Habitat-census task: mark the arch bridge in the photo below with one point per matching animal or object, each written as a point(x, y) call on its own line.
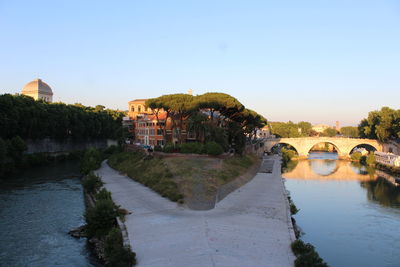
point(304, 144)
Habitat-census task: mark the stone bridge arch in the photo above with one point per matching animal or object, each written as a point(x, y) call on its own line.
point(303, 145)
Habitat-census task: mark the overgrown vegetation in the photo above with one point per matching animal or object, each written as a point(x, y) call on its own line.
point(368, 160)
point(101, 218)
point(91, 160)
point(381, 124)
point(293, 208)
point(356, 156)
point(101, 226)
point(149, 171)
point(91, 183)
point(22, 116)
point(116, 254)
point(306, 255)
point(287, 162)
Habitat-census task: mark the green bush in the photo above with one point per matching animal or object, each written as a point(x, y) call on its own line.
point(92, 182)
point(111, 150)
point(103, 195)
point(169, 148)
point(293, 208)
point(356, 156)
point(306, 255)
point(91, 160)
point(158, 148)
point(115, 253)
point(100, 218)
point(195, 148)
point(16, 146)
point(370, 160)
point(213, 148)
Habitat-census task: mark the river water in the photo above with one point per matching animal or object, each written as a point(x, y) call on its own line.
point(37, 209)
point(349, 213)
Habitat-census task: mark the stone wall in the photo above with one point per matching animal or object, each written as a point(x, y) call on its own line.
point(50, 145)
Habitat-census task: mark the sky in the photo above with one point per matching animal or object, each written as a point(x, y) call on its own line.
point(317, 61)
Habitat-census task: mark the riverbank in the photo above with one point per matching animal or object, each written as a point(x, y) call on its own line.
point(37, 209)
point(249, 227)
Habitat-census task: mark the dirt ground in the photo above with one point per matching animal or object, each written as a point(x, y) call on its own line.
point(198, 181)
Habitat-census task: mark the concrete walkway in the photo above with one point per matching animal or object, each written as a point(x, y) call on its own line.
point(250, 227)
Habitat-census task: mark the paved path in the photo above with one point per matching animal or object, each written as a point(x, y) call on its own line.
point(250, 227)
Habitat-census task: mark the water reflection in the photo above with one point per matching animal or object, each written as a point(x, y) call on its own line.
point(383, 192)
point(328, 169)
point(350, 212)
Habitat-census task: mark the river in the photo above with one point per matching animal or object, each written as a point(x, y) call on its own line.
point(350, 214)
point(37, 209)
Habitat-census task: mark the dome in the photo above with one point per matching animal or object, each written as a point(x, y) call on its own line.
point(37, 86)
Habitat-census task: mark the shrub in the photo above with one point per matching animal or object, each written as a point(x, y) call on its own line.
point(111, 150)
point(100, 218)
point(91, 160)
point(103, 195)
point(91, 183)
point(356, 156)
point(293, 208)
point(16, 146)
point(196, 148)
point(116, 254)
point(306, 255)
point(169, 148)
point(213, 148)
point(370, 160)
point(158, 148)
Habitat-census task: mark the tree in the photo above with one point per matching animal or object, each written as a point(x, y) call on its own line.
point(350, 131)
point(329, 132)
point(381, 124)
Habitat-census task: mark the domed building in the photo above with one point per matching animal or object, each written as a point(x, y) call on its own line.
point(38, 90)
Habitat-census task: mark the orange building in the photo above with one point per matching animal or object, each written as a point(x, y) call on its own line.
point(137, 107)
point(148, 131)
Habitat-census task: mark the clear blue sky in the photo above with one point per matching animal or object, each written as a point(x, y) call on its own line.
point(318, 61)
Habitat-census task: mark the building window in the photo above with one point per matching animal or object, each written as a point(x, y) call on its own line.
point(145, 109)
point(139, 108)
point(133, 109)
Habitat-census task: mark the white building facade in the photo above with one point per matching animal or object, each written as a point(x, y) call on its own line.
point(387, 159)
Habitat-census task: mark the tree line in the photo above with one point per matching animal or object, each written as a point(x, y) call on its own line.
point(382, 125)
point(216, 117)
point(23, 118)
point(304, 129)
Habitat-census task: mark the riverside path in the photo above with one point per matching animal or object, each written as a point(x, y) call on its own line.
point(249, 227)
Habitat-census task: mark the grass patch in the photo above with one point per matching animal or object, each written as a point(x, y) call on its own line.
point(149, 171)
point(234, 167)
point(176, 178)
